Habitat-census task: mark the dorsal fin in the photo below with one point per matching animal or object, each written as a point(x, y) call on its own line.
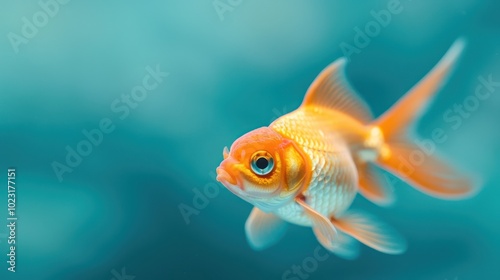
point(331, 90)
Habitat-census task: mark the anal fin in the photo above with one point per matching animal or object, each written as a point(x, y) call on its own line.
point(346, 247)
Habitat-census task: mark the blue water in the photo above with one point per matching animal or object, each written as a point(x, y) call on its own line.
point(114, 213)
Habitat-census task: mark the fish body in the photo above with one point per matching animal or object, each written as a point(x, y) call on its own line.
point(307, 166)
point(328, 138)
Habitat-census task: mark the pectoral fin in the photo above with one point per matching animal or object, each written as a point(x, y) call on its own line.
point(263, 229)
point(373, 233)
point(322, 227)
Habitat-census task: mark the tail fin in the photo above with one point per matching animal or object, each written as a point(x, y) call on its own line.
point(412, 160)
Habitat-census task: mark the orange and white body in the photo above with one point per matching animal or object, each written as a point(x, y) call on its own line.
point(307, 166)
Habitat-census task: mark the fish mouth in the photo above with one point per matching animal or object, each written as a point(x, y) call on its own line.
point(237, 188)
point(225, 177)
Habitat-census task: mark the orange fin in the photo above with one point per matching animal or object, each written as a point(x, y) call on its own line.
point(373, 186)
point(263, 229)
point(402, 116)
point(323, 228)
point(400, 153)
point(345, 247)
point(431, 175)
point(331, 90)
point(336, 242)
point(371, 232)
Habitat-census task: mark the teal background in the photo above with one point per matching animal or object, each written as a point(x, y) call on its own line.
point(120, 207)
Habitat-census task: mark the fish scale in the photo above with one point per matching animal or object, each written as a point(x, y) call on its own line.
point(333, 184)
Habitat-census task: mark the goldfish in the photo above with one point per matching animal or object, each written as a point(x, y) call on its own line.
point(307, 166)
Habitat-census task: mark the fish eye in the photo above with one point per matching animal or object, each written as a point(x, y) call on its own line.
point(262, 163)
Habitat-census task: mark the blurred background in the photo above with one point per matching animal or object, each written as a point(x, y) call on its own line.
point(141, 202)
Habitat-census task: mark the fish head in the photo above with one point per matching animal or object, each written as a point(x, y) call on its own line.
point(264, 168)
